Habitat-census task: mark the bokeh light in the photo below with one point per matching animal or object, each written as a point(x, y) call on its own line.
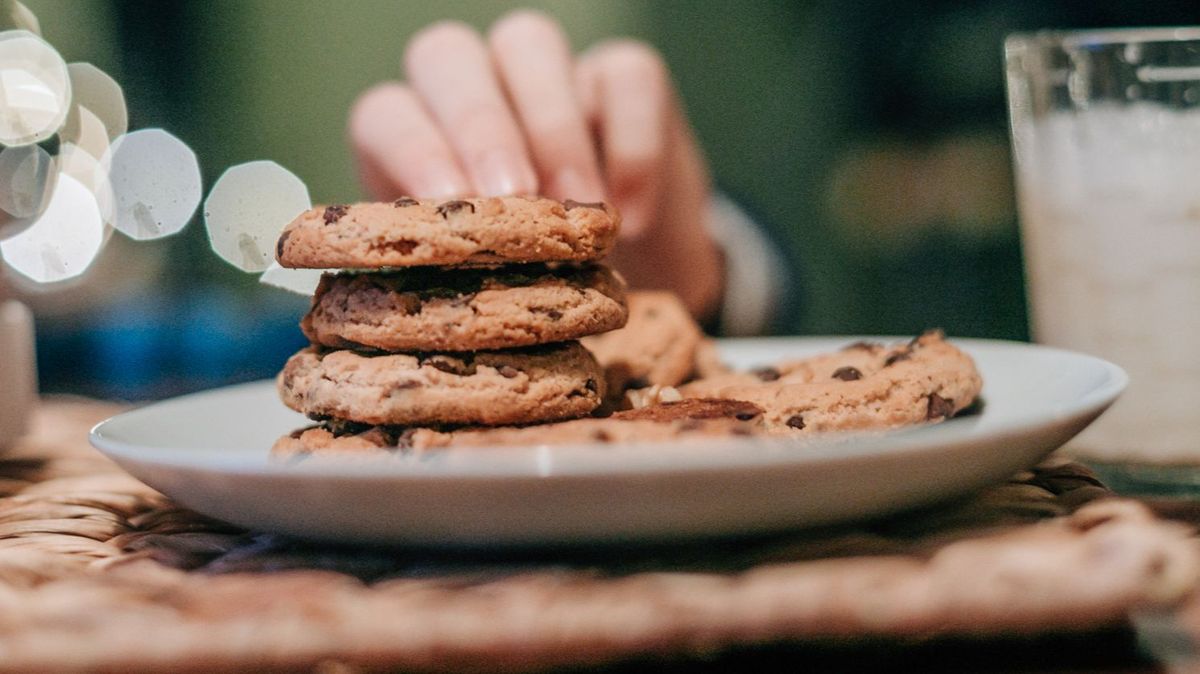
point(63, 241)
point(84, 128)
point(85, 168)
point(300, 281)
point(18, 15)
point(94, 90)
point(155, 180)
point(35, 89)
point(70, 173)
point(247, 209)
point(27, 177)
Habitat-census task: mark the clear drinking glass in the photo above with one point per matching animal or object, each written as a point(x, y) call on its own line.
point(1106, 144)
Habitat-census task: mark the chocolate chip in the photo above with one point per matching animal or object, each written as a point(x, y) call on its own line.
point(406, 384)
point(744, 416)
point(410, 303)
point(401, 246)
point(405, 201)
point(847, 374)
point(571, 203)
point(334, 213)
point(601, 435)
point(554, 314)
point(861, 346)
point(450, 365)
point(404, 440)
point(766, 373)
point(279, 244)
point(795, 421)
point(590, 385)
point(939, 407)
point(341, 427)
point(896, 357)
point(508, 371)
point(449, 207)
point(380, 437)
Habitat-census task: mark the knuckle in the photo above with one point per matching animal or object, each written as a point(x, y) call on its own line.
point(559, 127)
point(480, 124)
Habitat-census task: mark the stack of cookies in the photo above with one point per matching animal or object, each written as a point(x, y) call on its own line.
point(456, 313)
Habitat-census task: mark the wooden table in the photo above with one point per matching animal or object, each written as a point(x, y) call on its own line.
point(1039, 575)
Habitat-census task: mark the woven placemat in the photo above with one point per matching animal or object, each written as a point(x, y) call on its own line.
point(99, 572)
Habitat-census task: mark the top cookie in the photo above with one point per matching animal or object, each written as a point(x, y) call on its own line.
point(411, 233)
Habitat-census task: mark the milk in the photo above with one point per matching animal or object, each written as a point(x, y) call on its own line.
point(1110, 218)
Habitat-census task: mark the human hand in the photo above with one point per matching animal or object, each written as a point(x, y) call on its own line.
point(519, 114)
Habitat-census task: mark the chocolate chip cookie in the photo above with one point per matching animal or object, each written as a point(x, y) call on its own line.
point(518, 386)
point(865, 386)
point(657, 346)
point(431, 309)
point(669, 421)
point(409, 232)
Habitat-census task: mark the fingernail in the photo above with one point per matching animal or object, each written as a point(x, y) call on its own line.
point(499, 173)
point(635, 214)
point(443, 186)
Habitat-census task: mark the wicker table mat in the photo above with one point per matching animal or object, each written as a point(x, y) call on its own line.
point(97, 571)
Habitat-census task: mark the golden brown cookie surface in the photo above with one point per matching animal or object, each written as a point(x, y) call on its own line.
point(464, 309)
point(862, 387)
point(519, 386)
point(409, 233)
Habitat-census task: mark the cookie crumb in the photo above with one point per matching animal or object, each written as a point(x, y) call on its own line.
point(651, 395)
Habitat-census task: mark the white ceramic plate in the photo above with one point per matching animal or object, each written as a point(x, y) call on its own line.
point(209, 452)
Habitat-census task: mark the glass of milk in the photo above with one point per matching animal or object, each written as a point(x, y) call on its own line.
point(1106, 144)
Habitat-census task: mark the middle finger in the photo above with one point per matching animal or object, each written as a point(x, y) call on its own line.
point(449, 66)
point(534, 59)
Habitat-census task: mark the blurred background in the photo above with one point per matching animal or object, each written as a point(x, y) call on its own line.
point(868, 138)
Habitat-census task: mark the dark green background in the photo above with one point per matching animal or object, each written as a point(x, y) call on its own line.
point(869, 138)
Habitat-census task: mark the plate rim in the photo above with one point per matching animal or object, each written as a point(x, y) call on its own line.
point(767, 452)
